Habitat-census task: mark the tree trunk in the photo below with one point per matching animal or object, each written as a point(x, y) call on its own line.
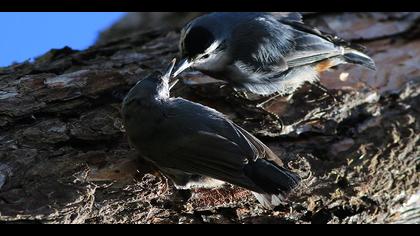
point(64, 156)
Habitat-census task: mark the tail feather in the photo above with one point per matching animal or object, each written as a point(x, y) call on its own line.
point(356, 57)
point(275, 182)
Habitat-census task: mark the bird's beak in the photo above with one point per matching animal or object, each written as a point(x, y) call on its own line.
point(183, 65)
point(168, 73)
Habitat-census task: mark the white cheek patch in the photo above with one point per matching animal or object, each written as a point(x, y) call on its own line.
point(215, 61)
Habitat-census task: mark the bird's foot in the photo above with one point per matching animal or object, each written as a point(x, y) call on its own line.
point(240, 94)
point(268, 100)
point(323, 89)
point(275, 118)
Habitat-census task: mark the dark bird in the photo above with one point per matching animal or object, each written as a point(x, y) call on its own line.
point(198, 147)
point(262, 53)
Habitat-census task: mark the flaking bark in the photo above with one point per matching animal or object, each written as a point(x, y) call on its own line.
point(64, 156)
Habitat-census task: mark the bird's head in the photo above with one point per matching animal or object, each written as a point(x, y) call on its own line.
point(155, 86)
point(203, 47)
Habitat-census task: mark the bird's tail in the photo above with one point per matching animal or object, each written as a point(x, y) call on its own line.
point(269, 201)
point(275, 181)
point(356, 57)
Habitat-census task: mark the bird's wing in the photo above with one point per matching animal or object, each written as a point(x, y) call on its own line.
point(210, 155)
point(213, 146)
point(268, 43)
point(260, 43)
point(301, 26)
point(310, 48)
point(312, 45)
point(264, 152)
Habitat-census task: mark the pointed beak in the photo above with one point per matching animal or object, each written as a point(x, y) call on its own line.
point(168, 73)
point(183, 65)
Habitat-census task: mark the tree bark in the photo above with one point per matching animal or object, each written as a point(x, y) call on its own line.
point(64, 156)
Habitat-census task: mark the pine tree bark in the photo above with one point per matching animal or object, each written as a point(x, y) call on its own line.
point(64, 156)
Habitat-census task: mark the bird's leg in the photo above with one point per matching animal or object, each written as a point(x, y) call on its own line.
point(236, 93)
point(325, 90)
point(273, 115)
point(261, 105)
point(240, 94)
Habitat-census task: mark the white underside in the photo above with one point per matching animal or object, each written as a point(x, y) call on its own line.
point(286, 83)
point(206, 183)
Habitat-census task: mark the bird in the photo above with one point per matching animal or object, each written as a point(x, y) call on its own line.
point(263, 53)
point(198, 147)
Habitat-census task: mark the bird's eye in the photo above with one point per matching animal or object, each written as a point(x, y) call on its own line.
point(205, 56)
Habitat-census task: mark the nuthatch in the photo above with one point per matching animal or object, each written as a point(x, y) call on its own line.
point(261, 53)
point(198, 147)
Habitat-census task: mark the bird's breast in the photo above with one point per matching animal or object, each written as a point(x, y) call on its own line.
point(231, 74)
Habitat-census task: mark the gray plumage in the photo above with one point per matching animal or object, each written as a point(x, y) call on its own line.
point(263, 53)
point(197, 146)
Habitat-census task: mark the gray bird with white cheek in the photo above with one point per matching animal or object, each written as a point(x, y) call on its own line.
point(198, 147)
point(263, 53)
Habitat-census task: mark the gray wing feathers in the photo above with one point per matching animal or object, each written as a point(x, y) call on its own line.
point(309, 48)
point(312, 45)
point(266, 52)
point(214, 146)
point(281, 45)
point(210, 155)
point(262, 150)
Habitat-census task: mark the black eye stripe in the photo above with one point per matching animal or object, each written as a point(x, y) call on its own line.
point(197, 41)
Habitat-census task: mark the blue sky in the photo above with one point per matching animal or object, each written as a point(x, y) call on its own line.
point(25, 35)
